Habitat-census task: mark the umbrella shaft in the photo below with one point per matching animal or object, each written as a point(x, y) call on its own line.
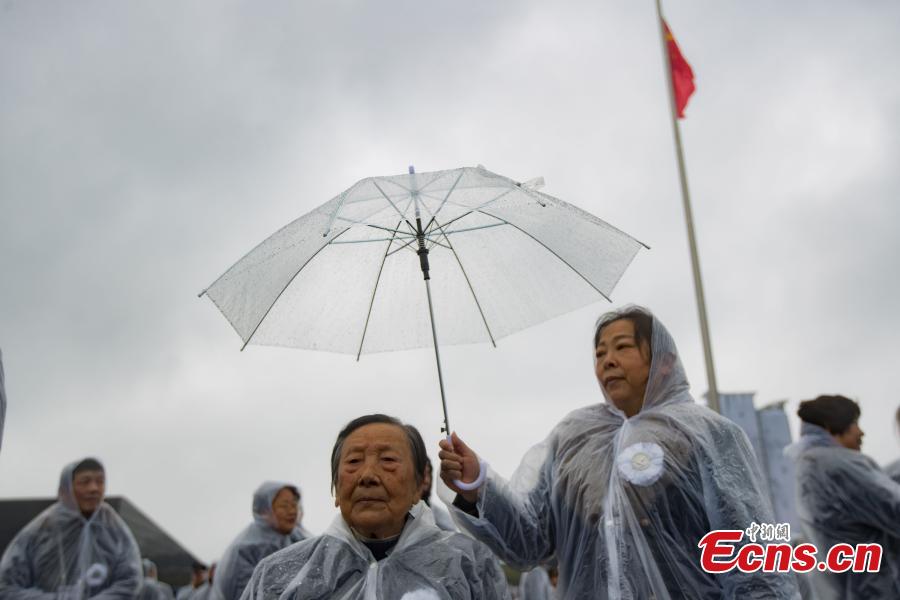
point(423, 263)
point(437, 356)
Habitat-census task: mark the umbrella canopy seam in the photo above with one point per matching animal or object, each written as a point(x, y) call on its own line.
point(551, 251)
point(287, 285)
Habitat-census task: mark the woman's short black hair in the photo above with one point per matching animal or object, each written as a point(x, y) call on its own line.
point(834, 413)
point(416, 445)
point(639, 317)
point(88, 464)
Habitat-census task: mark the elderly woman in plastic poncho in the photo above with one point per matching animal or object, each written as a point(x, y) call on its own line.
point(383, 544)
point(276, 516)
point(844, 497)
point(77, 548)
point(622, 492)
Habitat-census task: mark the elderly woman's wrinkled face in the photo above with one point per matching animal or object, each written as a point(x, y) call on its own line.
point(285, 510)
point(88, 488)
point(376, 483)
point(622, 367)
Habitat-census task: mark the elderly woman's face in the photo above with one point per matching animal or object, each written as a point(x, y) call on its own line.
point(285, 510)
point(376, 483)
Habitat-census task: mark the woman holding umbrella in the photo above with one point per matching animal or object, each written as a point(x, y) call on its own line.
point(621, 492)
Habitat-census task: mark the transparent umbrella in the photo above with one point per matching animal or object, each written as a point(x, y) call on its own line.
point(496, 256)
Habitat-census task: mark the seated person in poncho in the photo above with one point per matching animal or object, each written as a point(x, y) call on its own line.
point(384, 543)
point(152, 588)
point(276, 525)
point(199, 575)
point(844, 497)
point(77, 548)
point(621, 492)
point(207, 590)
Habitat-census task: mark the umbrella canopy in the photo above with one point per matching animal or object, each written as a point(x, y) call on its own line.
point(346, 277)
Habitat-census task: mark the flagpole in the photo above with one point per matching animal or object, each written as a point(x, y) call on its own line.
point(713, 393)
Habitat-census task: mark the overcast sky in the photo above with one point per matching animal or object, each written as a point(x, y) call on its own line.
point(146, 146)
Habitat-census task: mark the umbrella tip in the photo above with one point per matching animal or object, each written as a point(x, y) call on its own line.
point(412, 170)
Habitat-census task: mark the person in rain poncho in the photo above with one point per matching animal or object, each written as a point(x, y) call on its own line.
point(77, 548)
point(620, 493)
point(199, 574)
point(207, 589)
point(152, 588)
point(844, 497)
point(383, 544)
point(893, 469)
point(276, 525)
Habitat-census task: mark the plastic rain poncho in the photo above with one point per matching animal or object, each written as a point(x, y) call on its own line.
point(621, 503)
point(442, 518)
point(844, 497)
point(893, 470)
point(204, 592)
point(257, 541)
point(61, 554)
point(535, 585)
point(426, 564)
point(184, 592)
point(152, 589)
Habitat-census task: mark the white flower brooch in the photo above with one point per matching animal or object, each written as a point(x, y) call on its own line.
point(641, 463)
point(96, 574)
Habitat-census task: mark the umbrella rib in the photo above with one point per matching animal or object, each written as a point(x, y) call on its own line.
point(404, 236)
point(372, 300)
point(465, 229)
point(471, 212)
point(478, 210)
point(396, 250)
point(388, 229)
point(450, 191)
point(391, 202)
point(337, 209)
point(290, 281)
point(469, 283)
point(551, 251)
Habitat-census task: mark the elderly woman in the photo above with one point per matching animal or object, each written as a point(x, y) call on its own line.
point(384, 543)
point(276, 525)
point(622, 492)
point(844, 497)
point(77, 548)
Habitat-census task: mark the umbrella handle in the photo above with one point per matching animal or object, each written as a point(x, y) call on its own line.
point(472, 485)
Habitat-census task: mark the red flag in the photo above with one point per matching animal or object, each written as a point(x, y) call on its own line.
point(682, 74)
